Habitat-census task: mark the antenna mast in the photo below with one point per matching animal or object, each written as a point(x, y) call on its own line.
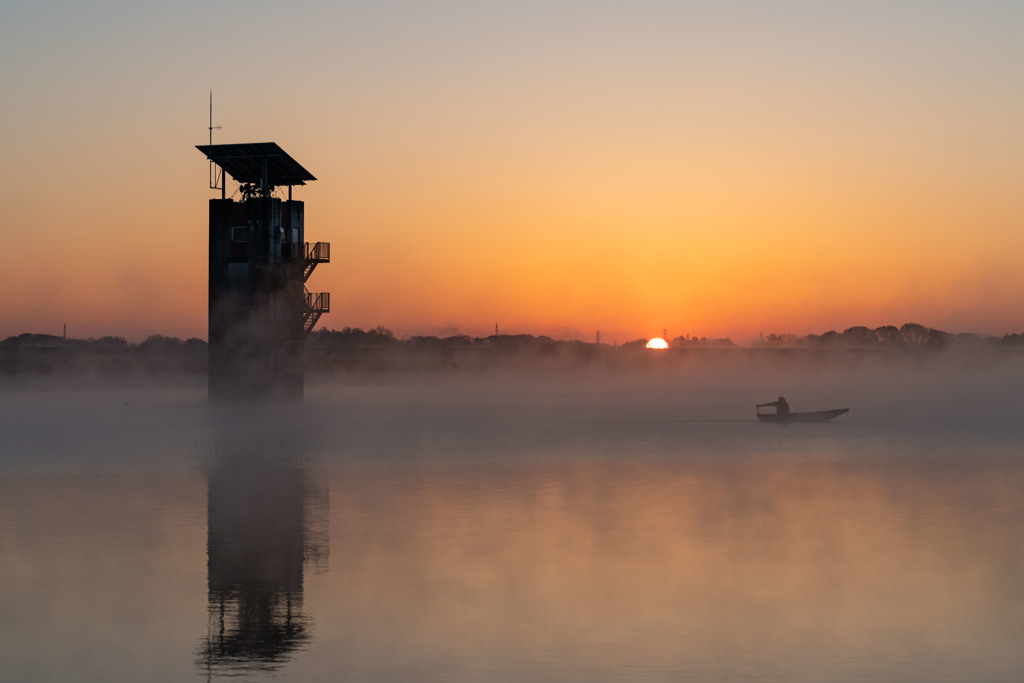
point(216, 172)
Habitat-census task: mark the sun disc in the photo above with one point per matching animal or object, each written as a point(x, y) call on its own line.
point(657, 343)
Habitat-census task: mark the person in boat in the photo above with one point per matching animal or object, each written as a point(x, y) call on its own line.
point(781, 407)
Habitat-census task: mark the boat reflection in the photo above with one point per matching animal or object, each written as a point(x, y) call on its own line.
point(266, 526)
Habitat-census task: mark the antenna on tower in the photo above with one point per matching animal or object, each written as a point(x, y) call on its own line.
point(216, 172)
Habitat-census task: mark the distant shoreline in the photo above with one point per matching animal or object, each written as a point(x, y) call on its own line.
point(378, 352)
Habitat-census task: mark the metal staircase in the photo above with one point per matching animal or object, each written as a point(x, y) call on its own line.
point(315, 305)
point(318, 252)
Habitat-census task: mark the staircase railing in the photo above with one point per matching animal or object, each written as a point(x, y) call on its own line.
point(316, 304)
point(317, 252)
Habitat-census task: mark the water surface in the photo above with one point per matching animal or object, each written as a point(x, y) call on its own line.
point(478, 529)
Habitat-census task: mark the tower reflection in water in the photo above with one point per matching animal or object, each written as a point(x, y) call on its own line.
point(266, 526)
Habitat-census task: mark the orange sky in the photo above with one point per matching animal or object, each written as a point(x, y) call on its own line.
point(555, 168)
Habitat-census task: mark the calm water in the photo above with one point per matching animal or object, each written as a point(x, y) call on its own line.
point(493, 529)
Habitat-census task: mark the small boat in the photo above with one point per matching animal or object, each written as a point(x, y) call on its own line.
point(818, 416)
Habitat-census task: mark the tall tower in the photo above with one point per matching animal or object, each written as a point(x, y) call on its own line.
point(260, 309)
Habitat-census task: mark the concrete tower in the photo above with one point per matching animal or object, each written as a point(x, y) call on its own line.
point(260, 309)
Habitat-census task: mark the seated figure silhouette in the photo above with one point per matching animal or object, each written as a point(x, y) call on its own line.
point(781, 407)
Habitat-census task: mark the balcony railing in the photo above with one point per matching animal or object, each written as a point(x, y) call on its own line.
point(318, 251)
point(318, 302)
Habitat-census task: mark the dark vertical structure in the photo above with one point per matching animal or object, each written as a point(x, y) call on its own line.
point(260, 308)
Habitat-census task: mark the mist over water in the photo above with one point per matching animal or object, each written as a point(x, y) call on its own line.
point(577, 525)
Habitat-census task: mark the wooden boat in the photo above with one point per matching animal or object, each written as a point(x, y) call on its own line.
point(818, 416)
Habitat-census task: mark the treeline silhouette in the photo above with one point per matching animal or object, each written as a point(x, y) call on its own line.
point(42, 354)
point(379, 350)
point(910, 336)
point(352, 349)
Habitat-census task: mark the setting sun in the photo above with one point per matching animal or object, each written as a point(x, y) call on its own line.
point(657, 343)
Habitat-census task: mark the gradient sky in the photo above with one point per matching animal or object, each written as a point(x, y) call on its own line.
point(713, 168)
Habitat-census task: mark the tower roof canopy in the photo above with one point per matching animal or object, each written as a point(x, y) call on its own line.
point(255, 161)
